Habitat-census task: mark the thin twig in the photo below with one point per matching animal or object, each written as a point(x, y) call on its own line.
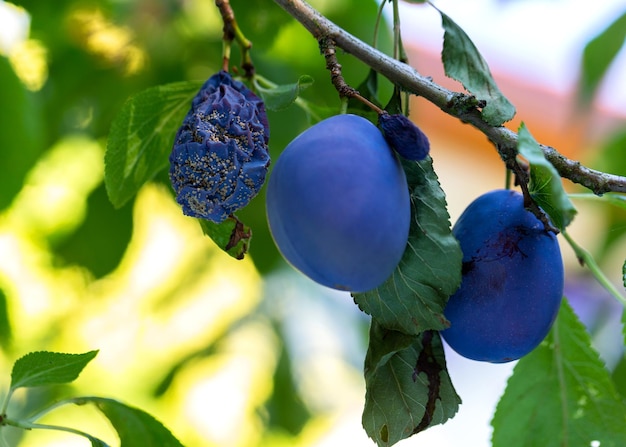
point(327, 47)
point(232, 32)
point(462, 106)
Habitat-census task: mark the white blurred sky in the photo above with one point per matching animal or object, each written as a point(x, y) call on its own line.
point(538, 40)
point(14, 26)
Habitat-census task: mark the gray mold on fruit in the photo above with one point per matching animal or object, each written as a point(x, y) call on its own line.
point(220, 157)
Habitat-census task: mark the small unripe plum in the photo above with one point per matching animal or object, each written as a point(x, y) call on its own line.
point(404, 136)
point(338, 204)
point(512, 281)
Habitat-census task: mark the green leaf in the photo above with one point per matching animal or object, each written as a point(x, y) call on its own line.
point(368, 89)
point(141, 137)
point(408, 388)
point(413, 298)
point(624, 273)
point(21, 132)
point(545, 186)
point(619, 372)
point(462, 61)
point(624, 321)
point(611, 156)
point(395, 106)
point(282, 96)
point(135, 427)
point(561, 395)
point(285, 409)
point(597, 56)
point(48, 368)
point(316, 113)
point(232, 236)
point(6, 333)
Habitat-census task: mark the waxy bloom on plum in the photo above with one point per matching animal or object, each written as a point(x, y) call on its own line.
point(220, 155)
point(512, 281)
point(338, 204)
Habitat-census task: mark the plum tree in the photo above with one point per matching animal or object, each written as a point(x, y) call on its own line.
point(338, 204)
point(512, 280)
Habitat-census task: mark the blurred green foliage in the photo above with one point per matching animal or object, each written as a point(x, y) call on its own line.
point(99, 53)
point(71, 276)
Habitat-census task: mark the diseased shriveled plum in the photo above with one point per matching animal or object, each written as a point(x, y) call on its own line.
point(512, 280)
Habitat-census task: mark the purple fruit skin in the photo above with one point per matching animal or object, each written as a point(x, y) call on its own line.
point(512, 282)
point(338, 204)
point(220, 156)
point(404, 136)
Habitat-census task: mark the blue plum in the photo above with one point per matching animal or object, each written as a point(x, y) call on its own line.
point(338, 204)
point(512, 281)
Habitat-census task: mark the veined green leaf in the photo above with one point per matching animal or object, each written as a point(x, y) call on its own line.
point(282, 96)
point(141, 137)
point(408, 388)
point(463, 62)
point(48, 368)
point(135, 427)
point(545, 182)
point(597, 57)
point(412, 299)
point(561, 395)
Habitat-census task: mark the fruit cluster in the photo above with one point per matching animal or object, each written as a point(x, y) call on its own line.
point(339, 210)
point(338, 207)
point(220, 157)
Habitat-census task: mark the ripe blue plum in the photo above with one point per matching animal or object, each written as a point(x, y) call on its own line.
point(338, 204)
point(512, 281)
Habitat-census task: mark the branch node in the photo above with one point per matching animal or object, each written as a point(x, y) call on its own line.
point(232, 32)
point(327, 48)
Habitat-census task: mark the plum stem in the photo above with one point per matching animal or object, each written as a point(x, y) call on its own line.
point(585, 258)
point(407, 78)
point(232, 32)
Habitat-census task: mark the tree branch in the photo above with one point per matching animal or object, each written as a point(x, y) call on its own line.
point(462, 106)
